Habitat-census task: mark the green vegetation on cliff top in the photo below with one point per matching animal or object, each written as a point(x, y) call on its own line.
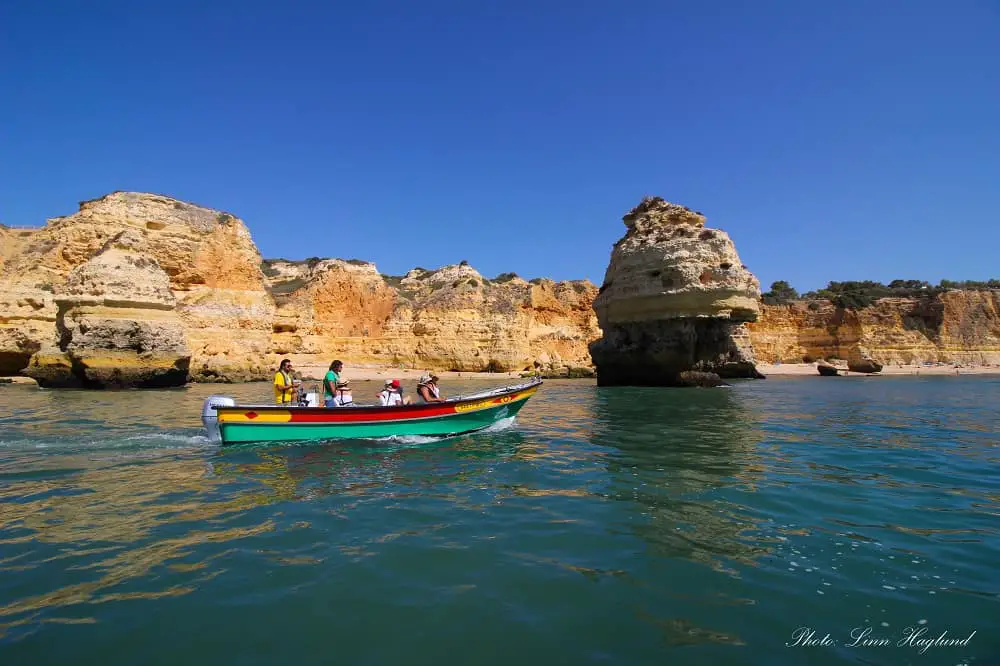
point(855, 294)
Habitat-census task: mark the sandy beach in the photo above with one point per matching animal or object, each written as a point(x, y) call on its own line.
point(780, 369)
point(360, 373)
point(369, 373)
point(316, 372)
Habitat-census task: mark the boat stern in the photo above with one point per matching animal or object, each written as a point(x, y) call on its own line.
point(210, 415)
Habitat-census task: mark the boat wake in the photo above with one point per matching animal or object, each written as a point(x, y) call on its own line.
point(151, 440)
point(409, 439)
point(170, 437)
point(499, 426)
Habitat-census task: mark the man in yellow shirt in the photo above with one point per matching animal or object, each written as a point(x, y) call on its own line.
point(285, 392)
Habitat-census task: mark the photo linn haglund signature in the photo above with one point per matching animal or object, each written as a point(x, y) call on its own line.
point(918, 637)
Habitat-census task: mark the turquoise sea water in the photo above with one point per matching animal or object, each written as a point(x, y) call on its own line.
point(606, 526)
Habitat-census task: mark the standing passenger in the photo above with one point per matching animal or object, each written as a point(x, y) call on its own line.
point(330, 381)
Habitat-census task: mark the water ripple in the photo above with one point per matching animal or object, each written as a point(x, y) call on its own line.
point(604, 526)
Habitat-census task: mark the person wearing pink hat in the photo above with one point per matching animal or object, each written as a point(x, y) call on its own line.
point(392, 394)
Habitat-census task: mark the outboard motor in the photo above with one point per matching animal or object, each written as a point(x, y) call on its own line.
point(210, 418)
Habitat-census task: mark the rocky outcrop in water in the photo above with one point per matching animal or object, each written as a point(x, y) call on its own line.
point(826, 369)
point(864, 363)
point(116, 323)
point(208, 255)
point(675, 298)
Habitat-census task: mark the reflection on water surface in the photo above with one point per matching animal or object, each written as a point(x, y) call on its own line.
point(621, 525)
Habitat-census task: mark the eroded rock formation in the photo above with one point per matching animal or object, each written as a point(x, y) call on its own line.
point(452, 318)
point(208, 255)
point(116, 323)
point(952, 327)
point(675, 298)
point(236, 322)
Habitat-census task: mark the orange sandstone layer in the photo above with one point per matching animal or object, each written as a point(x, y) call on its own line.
point(238, 314)
point(957, 326)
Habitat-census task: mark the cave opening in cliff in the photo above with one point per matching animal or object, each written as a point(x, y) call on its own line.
point(12, 363)
point(494, 366)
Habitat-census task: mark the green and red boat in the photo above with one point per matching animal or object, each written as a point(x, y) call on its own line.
point(230, 423)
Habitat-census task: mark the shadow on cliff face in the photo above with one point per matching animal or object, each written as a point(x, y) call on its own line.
point(661, 353)
point(12, 363)
point(680, 457)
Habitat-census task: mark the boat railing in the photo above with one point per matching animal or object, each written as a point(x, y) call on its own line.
point(495, 391)
point(458, 398)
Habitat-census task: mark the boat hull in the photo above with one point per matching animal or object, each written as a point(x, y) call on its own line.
point(281, 424)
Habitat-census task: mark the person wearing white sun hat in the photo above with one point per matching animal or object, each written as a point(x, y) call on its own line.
point(392, 394)
point(342, 393)
point(427, 388)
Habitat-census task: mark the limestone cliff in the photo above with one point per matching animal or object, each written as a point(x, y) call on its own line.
point(116, 323)
point(27, 311)
point(211, 261)
point(236, 321)
point(675, 298)
point(452, 318)
point(954, 326)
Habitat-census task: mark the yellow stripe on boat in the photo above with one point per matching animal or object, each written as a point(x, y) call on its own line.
point(493, 402)
point(250, 416)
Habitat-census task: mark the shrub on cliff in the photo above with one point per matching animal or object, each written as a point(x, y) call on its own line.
point(860, 294)
point(969, 284)
point(394, 281)
point(851, 295)
point(896, 285)
point(287, 287)
point(781, 293)
point(855, 295)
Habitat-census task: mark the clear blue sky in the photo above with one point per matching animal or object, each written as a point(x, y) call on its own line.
point(833, 141)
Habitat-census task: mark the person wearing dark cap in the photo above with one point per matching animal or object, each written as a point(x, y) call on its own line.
point(427, 388)
point(392, 394)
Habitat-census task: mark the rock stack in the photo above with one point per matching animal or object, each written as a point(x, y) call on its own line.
point(674, 303)
point(116, 323)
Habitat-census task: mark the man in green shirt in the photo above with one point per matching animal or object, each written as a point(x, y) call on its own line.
point(330, 382)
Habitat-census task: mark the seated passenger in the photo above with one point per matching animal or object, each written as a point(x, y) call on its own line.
point(392, 394)
point(342, 394)
point(427, 388)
